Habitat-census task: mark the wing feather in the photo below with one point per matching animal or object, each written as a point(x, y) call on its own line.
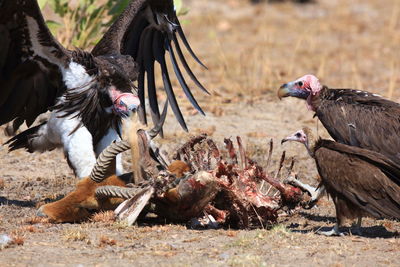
point(368, 121)
point(364, 183)
point(159, 54)
point(30, 62)
point(152, 23)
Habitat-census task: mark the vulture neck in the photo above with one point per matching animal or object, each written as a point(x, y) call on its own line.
point(311, 143)
point(316, 99)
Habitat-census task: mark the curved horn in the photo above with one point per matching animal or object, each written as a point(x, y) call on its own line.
point(118, 191)
point(106, 158)
point(157, 128)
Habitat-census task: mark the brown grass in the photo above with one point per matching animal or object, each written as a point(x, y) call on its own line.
point(18, 240)
point(36, 220)
point(106, 241)
point(106, 217)
point(2, 183)
point(75, 235)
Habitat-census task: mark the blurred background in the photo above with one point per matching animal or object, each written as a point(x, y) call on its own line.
point(252, 46)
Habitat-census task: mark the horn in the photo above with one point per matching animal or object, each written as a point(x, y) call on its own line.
point(157, 128)
point(106, 158)
point(118, 191)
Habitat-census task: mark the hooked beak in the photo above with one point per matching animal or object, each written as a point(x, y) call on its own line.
point(292, 89)
point(289, 138)
point(125, 104)
point(284, 91)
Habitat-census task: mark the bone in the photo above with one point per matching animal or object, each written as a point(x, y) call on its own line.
point(130, 209)
point(242, 153)
point(280, 164)
point(314, 192)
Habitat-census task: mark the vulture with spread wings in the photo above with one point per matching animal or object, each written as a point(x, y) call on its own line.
point(87, 92)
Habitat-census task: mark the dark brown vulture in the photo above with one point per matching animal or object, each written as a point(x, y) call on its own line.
point(87, 92)
point(352, 117)
point(361, 182)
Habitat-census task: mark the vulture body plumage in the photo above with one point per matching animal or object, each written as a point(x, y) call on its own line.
point(360, 182)
point(87, 92)
point(352, 117)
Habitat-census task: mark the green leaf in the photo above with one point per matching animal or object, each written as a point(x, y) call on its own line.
point(118, 7)
point(178, 5)
point(53, 26)
point(42, 3)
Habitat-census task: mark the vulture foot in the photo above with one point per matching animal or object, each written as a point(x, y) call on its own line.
point(356, 228)
point(333, 232)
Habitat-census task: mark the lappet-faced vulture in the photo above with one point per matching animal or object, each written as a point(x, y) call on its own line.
point(361, 182)
point(352, 117)
point(87, 92)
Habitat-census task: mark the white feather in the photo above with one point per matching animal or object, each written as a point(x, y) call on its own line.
point(76, 77)
point(78, 146)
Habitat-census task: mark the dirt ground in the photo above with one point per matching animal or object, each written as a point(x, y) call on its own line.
point(250, 50)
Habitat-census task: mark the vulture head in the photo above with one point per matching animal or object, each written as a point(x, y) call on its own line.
point(303, 136)
point(304, 88)
point(115, 75)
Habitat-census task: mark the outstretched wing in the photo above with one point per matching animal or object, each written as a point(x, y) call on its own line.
point(30, 62)
point(146, 30)
point(362, 119)
point(367, 179)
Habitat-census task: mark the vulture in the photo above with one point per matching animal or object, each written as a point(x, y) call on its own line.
point(88, 93)
point(360, 182)
point(352, 117)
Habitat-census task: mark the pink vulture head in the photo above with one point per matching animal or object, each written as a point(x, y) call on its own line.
point(305, 88)
point(299, 136)
point(123, 102)
point(303, 136)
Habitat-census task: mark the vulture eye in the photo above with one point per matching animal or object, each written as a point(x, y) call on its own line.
point(298, 135)
point(300, 84)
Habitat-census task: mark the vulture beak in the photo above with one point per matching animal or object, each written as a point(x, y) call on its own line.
point(284, 91)
point(292, 89)
point(290, 138)
point(125, 104)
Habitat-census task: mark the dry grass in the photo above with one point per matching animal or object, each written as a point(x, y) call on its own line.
point(18, 240)
point(36, 220)
point(75, 235)
point(106, 217)
point(345, 45)
point(106, 241)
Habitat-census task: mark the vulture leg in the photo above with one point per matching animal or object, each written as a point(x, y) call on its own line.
point(333, 232)
point(357, 227)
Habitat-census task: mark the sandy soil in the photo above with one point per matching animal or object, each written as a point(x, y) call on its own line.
point(250, 50)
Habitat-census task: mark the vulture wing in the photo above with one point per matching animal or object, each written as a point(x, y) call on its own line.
point(366, 178)
point(146, 30)
point(362, 119)
point(30, 61)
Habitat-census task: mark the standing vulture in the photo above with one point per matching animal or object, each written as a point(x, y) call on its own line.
point(87, 92)
point(352, 117)
point(361, 182)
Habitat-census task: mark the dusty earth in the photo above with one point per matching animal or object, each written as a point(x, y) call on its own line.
point(250, 50)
